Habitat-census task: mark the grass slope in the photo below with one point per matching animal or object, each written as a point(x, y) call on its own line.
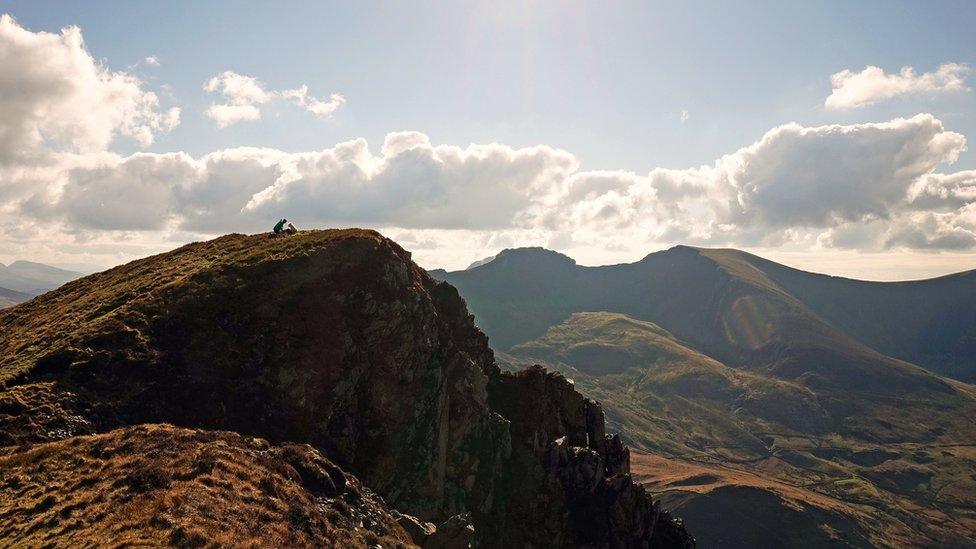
point(725, 308)
point(157, 485)
point(734, 305)
point(96, 304)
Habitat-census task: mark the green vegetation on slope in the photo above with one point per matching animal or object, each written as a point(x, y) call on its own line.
point(730, 311)
point(642, 365)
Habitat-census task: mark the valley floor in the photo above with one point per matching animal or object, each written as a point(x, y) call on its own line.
point(795, 498)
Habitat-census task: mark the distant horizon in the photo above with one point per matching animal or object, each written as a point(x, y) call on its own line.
point(788, 262)
point(804, 261)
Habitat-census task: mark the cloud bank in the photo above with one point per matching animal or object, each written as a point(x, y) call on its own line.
point(859, 89)
point(865, 186)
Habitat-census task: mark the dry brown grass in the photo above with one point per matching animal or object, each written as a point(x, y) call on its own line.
point(830, 507)
point(158, 485)
point(661, 474)
point(114, 303)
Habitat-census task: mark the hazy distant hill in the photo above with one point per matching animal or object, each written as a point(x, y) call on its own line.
point(481, 262)
point(734, 364)
point(9, 298)
point(33, 278)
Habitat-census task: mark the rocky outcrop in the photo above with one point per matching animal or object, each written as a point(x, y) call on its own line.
point(328, 338)
point(577, 477)
point(337, 340)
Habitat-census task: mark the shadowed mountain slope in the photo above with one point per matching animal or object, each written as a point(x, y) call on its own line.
point(335, 339)
point(929, 322)
point(645, 375)
point(712, 420)
point(735, 305)
point(745, 510)
point(728, 310)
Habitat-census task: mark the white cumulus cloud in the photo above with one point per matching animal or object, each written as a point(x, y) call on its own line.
point(52, 91)
point(313, 105)
point(245, 94)
point(864, 186)
point(871, 85)
point(238, 88)
point(226, 115)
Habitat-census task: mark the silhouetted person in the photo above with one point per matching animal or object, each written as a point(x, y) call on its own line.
point(280, 226)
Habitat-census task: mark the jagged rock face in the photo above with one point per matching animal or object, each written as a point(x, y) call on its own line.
point(576, 477)
point(331, 338)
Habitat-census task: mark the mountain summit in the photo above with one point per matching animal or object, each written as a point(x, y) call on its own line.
point(331, 339)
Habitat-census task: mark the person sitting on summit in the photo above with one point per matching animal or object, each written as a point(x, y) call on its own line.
point(280, 228)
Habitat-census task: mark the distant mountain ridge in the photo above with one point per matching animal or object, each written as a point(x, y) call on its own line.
point(481, 262)
point(33, 278)
point(929, 322)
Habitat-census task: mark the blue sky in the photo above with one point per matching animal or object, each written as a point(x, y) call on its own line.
point(606, 81)
point(621, 86)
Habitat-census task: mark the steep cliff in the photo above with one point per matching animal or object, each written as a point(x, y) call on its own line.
point(334, 339)
point(572, 484)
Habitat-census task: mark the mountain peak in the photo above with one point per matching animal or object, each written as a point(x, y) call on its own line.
point(481, 262)
point(533, 254)
point(24, 265)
